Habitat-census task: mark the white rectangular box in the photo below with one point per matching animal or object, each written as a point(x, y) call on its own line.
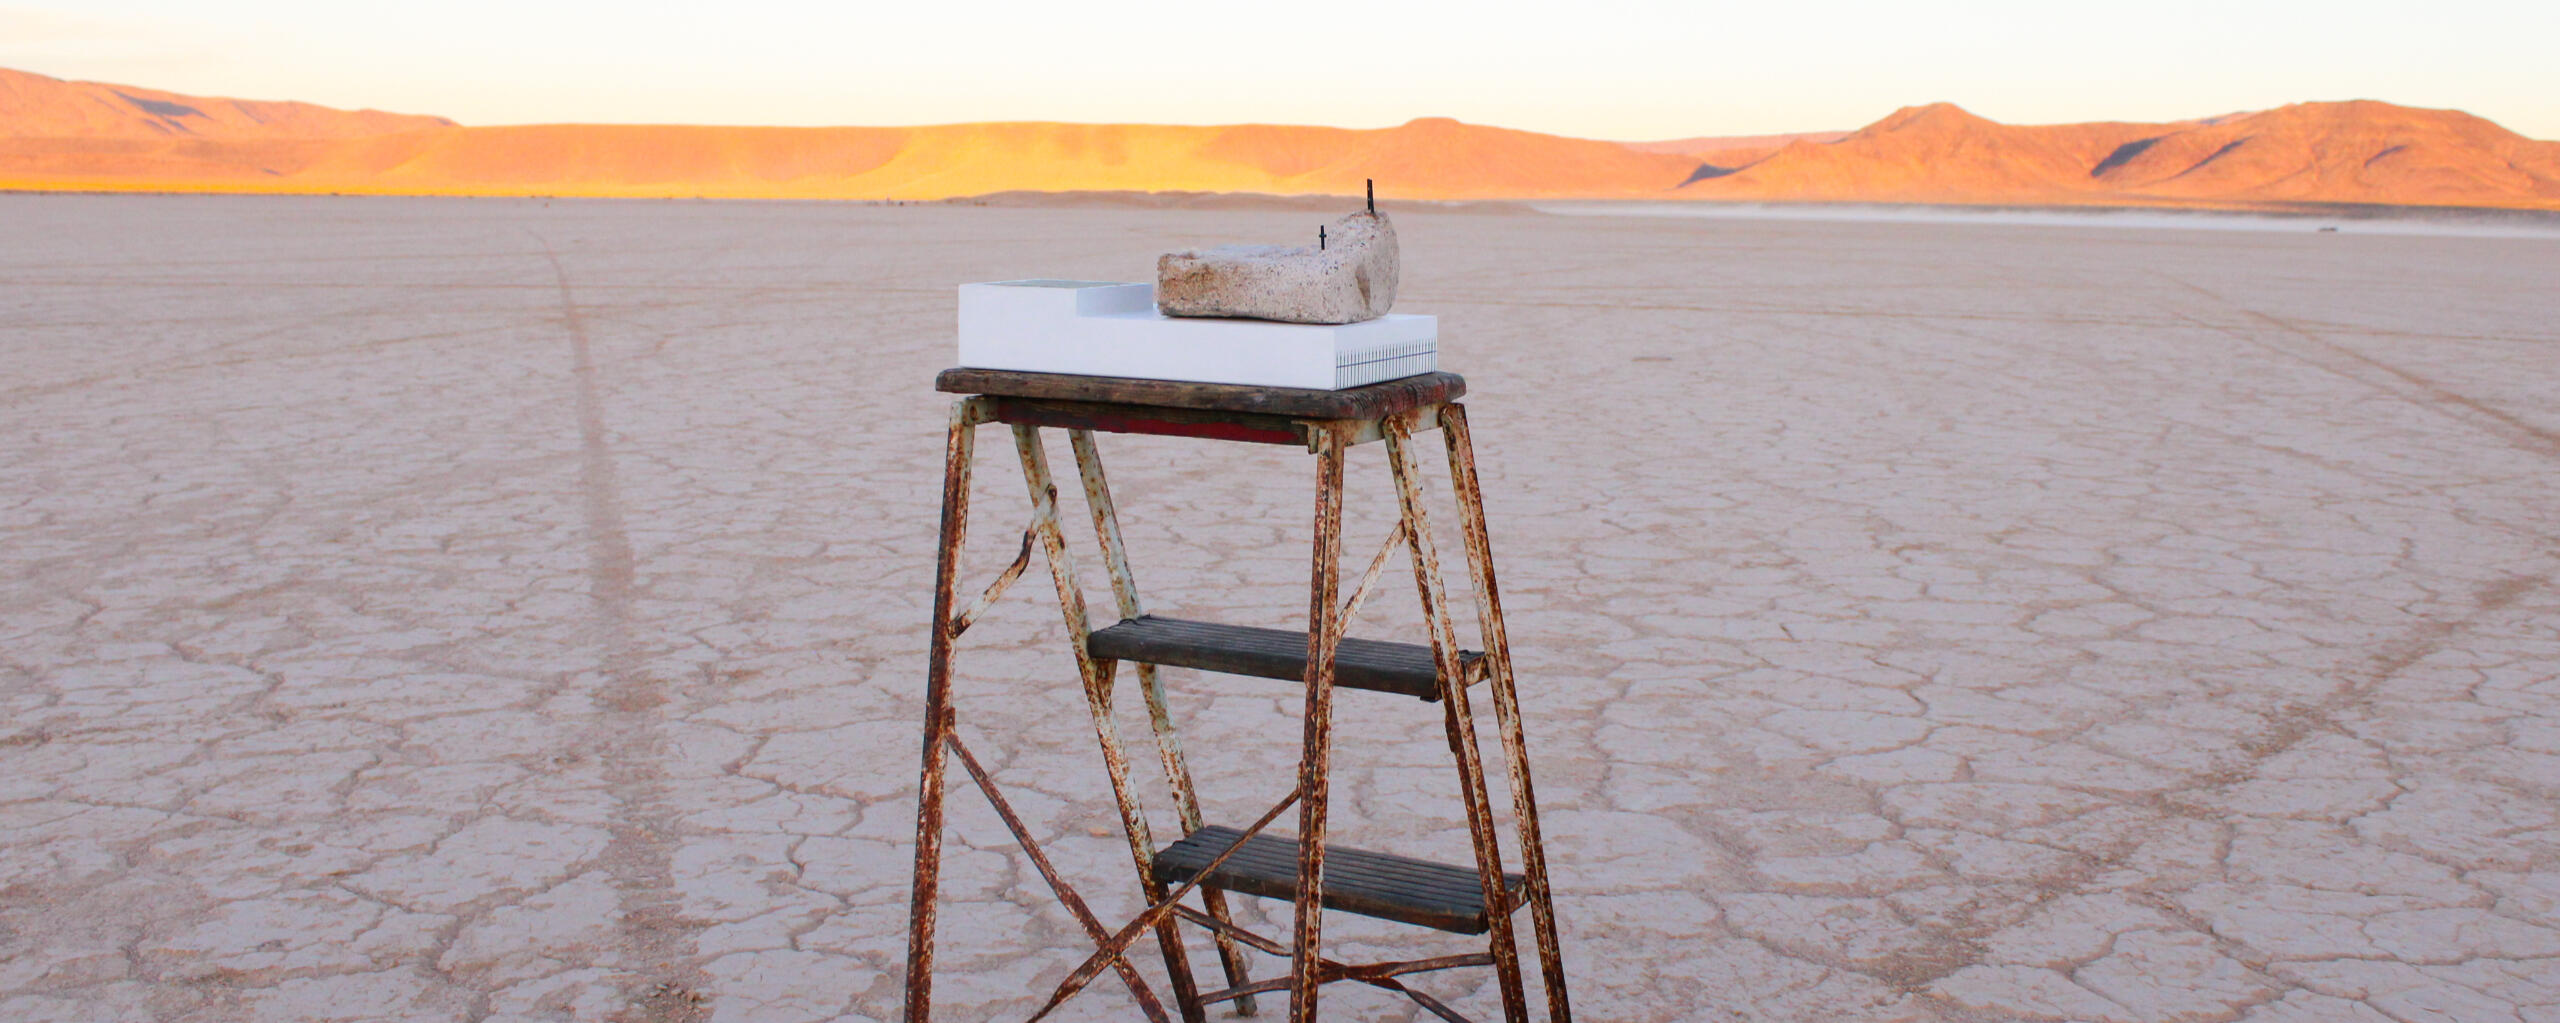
point(1100, 328)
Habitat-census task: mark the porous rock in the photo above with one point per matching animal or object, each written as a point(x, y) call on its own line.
point(1351, 278)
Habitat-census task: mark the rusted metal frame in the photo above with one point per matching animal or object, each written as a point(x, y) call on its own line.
point(1171, 421)
point(1506, 705)
point(960, 623)
point(1434, 1005)
point(1346, 433)
point(1336, 968)
point(1098, 676)
point(1458, 717)
point(1328, 441)
point(1233, 930)
point(1248, 427)
point(1378, 564)
point(1378, 975)
point(1161, 911)
point(1429, 1003)
point(1067, 896)
point(1354, 403)
point(1355, 432)
point(958, 454)
point(1341, 970)
point(1177, 770)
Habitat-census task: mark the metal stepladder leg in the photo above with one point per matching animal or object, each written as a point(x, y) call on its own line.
point(1506, 705)
point(1327, 626)
point(1457, 717)
point(1315, 758)
point(922, 909)
point(940, 740)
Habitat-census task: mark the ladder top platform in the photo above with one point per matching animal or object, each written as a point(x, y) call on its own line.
point(1371, 401)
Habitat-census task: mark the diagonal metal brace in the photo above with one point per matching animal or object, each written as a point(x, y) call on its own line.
point(1154, 914)
point(1380, 975)
point(1344, 971)
point(960, 622)
point(1359, 594)
point(1067, 896)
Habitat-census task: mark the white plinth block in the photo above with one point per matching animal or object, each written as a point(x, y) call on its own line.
point(1096, 328)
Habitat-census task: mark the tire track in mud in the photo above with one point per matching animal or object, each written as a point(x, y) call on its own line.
point(2425, 637)
point(2336, 358)
point(626, 735)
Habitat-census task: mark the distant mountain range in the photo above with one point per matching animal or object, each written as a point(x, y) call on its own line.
point(58, 135)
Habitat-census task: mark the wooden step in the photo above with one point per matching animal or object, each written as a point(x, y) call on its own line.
point(1403, 668)
point(1383, 885)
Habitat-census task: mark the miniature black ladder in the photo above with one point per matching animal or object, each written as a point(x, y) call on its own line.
point(1478, 898)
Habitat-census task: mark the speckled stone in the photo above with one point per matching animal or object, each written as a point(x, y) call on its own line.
point(1350, 279)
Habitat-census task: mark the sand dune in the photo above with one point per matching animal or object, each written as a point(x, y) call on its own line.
point(57, 135)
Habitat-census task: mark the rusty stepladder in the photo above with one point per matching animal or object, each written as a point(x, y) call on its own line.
point(1214, 859)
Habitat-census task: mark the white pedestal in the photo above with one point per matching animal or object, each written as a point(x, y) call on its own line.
point(1098, 328)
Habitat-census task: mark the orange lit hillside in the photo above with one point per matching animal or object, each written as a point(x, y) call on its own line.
point(2348, 152)
point(36, 106)
point(2354, 152)
point(61, 135)
point(57, 135)
point(1426, 159)
point(1725, 152)
point(1429, 159)
point(1934, 153)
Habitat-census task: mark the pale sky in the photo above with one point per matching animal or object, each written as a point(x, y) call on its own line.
point(1592, 69)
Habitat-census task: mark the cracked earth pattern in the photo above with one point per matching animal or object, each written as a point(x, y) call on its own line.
point(491, 610)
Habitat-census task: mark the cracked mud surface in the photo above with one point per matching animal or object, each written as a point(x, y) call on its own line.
point(479, 610)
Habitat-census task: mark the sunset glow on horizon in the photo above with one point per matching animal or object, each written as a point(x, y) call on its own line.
point(1616, 71)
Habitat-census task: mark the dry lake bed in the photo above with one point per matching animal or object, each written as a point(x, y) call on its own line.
point(499, 610)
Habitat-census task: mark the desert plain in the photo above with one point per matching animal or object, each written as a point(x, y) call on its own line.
point(477, 609)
